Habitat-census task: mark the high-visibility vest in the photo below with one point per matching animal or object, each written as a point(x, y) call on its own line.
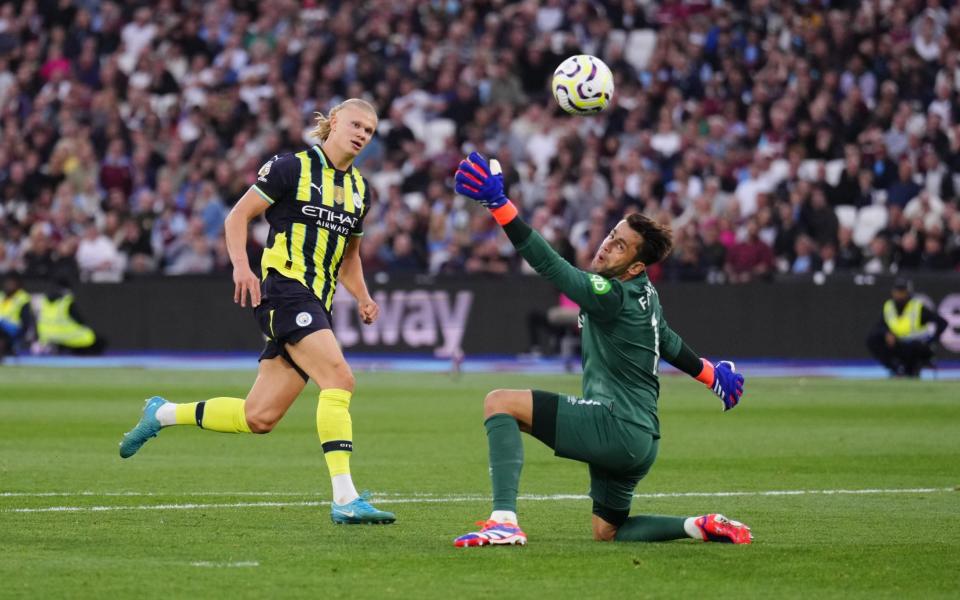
point(56, 326)
point(11, 306)
point(906, 324)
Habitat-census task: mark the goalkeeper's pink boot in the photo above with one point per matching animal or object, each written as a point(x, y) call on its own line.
point(718, 528)
point(493, 534)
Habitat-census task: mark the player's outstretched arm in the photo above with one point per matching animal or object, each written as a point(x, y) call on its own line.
point(483, 182)
point(721, 378)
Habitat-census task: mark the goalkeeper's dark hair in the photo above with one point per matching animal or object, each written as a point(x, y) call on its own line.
point(657, 239)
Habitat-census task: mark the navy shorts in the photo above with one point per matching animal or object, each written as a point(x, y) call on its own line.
point(288, 312)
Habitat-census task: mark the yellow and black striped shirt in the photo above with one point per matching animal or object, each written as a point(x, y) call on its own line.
point(314, 211)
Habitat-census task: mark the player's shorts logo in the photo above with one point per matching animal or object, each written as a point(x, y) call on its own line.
point(304, 319)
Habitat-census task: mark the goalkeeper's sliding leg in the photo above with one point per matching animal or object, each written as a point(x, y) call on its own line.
point(280, 380)
point(618, 454)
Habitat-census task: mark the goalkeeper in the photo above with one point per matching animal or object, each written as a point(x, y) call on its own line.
point(613, 427)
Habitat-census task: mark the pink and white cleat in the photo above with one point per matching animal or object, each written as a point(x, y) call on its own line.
point(493, 534)
point(718, 528)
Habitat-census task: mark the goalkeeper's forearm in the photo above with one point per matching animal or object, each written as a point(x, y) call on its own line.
point(687, 361)
point(516, 228)
point(534, 249)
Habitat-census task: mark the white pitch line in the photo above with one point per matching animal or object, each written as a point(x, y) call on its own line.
point(92, 494)
point(227, 565)
point(423, 499)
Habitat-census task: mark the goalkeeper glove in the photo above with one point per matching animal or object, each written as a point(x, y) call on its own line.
point(723, 380)
point(481, 181)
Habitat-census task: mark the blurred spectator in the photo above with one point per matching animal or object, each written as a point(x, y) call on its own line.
point(750, 259)
point(98, 257)
point(849, 257)
point(725, 111)
point(805, 259)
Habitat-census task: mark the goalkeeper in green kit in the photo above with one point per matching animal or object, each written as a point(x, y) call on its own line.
point(613, 427)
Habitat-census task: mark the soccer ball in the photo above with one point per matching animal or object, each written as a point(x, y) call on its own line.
point(583, 85)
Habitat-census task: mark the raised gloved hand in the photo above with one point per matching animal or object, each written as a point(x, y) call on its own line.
point(727, 384)
point(723, 380)
point(481, 181)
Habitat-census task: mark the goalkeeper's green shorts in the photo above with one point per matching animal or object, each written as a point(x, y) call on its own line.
point(619, 453)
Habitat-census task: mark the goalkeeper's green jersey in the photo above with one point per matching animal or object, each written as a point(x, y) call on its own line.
point(623, 334)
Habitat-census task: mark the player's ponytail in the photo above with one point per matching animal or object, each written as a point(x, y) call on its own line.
point(322, 129)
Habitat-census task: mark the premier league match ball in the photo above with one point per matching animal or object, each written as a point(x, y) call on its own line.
point(583, 85)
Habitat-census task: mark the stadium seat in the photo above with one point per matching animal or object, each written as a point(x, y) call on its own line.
point(436, 132)
point(834, 171)
point(615, 38)
point(640, 46)
point(578, 230)
point(870, 220)
point(808, 169)
point(847, 216)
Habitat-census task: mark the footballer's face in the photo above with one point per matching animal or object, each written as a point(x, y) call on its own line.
point(616, 258)
point(351, 129)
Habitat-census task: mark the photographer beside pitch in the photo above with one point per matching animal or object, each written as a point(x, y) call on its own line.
point(614, 426)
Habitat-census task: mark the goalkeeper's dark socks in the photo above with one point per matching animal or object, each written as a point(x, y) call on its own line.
point(653, 528)
point(506, 460)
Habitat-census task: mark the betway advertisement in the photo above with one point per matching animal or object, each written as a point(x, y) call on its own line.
point(416, 319)
point(493, 315)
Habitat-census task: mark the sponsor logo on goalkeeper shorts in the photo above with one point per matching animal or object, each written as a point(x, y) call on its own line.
point(582, 401)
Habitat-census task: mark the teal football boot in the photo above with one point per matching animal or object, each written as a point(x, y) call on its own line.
point(147, 428)
point(360, 512)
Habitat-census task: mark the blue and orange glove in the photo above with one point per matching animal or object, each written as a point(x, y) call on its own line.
point(481, 181)
point(723, 380)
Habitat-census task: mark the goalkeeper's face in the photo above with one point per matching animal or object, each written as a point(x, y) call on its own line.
point(616, 258)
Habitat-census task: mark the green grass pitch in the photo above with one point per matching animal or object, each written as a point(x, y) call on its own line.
point(246, 515)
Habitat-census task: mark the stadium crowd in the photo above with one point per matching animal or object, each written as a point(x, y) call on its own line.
point(775, 136)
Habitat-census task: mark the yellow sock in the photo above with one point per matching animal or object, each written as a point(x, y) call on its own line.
point(335, 429)
point(226, 415)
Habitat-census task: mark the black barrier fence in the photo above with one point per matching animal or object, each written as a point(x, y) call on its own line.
point(490, 315)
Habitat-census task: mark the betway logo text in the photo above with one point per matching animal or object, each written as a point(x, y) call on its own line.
point(414, 318)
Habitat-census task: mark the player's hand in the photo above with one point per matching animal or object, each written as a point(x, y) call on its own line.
point(481, 181)
point(369, 310)
point(245, 282)
point(727, 384)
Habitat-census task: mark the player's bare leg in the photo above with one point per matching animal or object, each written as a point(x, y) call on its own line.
point(506, 413)
point(319, 355)
point(275, 389)
point(273, 393)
